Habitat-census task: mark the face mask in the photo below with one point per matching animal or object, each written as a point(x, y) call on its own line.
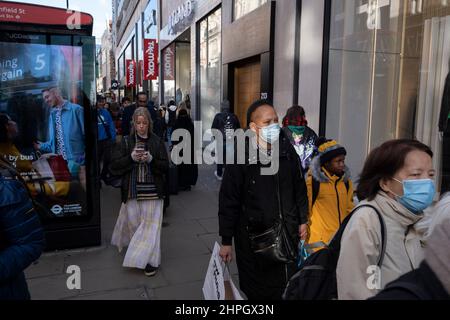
point(299, 130)
point(417, 194)
point(270, 134)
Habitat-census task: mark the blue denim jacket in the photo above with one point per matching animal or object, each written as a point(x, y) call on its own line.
point(74, 138)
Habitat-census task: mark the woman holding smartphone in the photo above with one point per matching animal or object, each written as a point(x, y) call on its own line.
point(142, 162)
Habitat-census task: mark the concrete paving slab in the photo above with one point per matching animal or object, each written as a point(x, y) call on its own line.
point(46, 266)
point(50, 288)
point(140, 293)
point(185, 291)
point(106, 258)
point(209, 240)
point(118, 278)
point(185, 269)
point(211, 225)
point(181, 245)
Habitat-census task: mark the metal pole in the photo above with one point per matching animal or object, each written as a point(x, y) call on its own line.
point(67, 2)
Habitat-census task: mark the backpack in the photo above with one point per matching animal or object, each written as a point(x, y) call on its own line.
point(316, 188)
point(316, 278)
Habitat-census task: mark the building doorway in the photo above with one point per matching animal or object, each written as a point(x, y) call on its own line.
point(247, 87)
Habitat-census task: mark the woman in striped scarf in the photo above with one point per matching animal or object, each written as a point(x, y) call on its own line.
point(142, 162)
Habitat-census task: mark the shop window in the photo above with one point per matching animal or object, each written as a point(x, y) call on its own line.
point(242, 7)
point(210, 67)
point(388, 62)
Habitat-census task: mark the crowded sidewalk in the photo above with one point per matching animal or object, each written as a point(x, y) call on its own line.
point(190, 229)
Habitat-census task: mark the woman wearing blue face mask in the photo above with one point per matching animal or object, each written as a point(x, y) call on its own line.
point(397, 180)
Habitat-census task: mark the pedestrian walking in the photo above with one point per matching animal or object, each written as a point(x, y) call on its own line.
point(106, 137)
point(21, 235)
point(170, 118)
point(397, 180)
point(431, 281)
point(116, 117)
point(227, 123)
point(162, 116)
point(254, 206)
point(330, 192)
point(142, 162)
point(187, 172)
point(302, 137)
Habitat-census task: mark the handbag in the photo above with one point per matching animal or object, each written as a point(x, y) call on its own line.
point(274, 244)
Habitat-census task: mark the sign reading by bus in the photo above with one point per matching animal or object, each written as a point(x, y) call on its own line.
point(131, 73)
point(13, 12)
point(150, 59)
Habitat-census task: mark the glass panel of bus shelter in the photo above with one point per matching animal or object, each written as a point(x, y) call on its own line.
point(45, 88)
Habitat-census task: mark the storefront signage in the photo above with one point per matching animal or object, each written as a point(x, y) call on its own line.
point(150, 59)
point(27, 13)
point(169, 62)
point(114, 84)
point(130, 73)
point(181, 16)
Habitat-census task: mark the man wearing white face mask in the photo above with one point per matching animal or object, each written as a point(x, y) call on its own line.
point(252, 205)
point(397, 180)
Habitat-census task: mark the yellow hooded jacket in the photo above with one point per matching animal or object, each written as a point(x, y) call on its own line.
point(333, 204)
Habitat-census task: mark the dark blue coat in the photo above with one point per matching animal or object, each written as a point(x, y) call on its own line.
point(21, 239)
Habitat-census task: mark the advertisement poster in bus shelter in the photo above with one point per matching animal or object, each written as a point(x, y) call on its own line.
point(42, 132)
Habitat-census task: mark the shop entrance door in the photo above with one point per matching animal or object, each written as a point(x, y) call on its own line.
point(247, 88)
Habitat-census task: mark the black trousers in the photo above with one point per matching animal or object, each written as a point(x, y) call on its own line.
point(445, 187)
point(221, 166)
point(104, 156)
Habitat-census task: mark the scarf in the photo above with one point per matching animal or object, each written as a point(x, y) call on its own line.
point(142, 183)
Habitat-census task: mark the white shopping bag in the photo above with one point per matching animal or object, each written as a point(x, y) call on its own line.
point(218, 283)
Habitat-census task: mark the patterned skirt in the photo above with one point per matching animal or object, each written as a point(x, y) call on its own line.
point(139, 227)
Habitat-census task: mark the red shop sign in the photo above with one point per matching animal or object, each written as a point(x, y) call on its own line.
point(130, 73)
point(150, 59)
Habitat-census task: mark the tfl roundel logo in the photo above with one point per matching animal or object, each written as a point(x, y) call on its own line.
point(56, 209)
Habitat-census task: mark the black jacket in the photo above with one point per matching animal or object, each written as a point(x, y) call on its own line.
point(248, 201)
point(445, 108)
point(420, 284)
point(122, 163)
point(21, 239)
point(225, 120)
point(187, 173)
point(127, 116)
